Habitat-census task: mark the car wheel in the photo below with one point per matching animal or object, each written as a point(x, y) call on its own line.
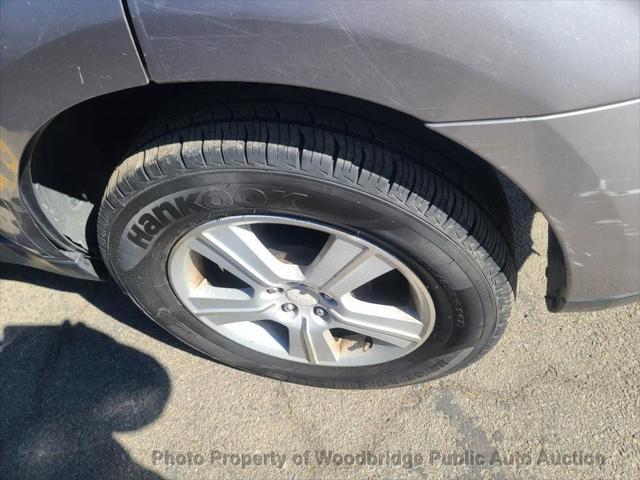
point(308, 246)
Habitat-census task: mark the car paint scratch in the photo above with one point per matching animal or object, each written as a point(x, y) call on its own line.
point(80, 74)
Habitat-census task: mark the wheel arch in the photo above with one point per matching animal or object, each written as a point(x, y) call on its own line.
point(68, 162)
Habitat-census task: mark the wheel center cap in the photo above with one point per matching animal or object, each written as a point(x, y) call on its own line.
point(301, 296)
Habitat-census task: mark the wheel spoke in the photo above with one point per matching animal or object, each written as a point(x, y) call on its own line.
point(247, 313)
point(228, 305)
point(384, 322)
point(312, 343)
point(334, 256)
point(222, 317)
point(238, 250)
point(342, 269)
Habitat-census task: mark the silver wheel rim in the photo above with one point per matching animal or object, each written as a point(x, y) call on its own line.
point(301, 291)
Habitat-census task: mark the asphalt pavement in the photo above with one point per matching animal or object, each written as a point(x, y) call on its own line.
point(90, 388)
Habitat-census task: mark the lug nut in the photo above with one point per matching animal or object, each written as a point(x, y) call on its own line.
point(289, 307)
point(274, 290)
point(319, 311)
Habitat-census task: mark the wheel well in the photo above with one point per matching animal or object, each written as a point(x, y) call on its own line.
point(72, 157)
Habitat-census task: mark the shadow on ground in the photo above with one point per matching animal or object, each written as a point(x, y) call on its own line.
point(65, 390)
point(105, 296)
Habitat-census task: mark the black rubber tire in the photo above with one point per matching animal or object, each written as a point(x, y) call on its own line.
point(272, 157)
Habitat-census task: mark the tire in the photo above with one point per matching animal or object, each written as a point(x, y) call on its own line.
point(294, 160)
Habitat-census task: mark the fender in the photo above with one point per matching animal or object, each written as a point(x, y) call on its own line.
point(437, 61)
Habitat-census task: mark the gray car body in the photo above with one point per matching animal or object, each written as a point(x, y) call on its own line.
point(546, 92)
